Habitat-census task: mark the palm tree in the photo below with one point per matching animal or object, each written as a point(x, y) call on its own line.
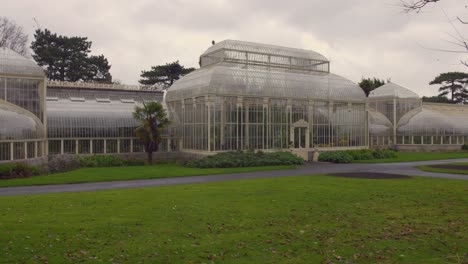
point(153, 120)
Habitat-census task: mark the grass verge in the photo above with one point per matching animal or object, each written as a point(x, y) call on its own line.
point(129, 173)
point(451, 171)
point(418, 156)
point(309, 219)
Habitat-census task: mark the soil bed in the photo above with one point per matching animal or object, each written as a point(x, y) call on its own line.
point(450, 167)
point(370, 175)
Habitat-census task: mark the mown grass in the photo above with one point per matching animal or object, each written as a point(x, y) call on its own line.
point(129, 173)
point(418, 156)
point(451, 171)
point(308, 219)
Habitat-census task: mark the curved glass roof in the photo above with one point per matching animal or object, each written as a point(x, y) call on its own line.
point(15, 125)
point(236, 81)
point(379, 125)
point(85, 113)
point(265, 49)
point(392, 90)
point(12, 63)
point(435, 118)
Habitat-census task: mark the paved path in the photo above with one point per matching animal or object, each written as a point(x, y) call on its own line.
point(407, 168)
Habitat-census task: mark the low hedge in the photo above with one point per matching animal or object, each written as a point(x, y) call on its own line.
point(246, 159)
point(348, 156)
point(18, 170)
point(107, 161)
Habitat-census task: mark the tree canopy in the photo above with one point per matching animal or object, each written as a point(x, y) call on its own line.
point(68, 58)
point(452, 83)
point(437, 99)
point(13, 37)
point(370, 84)
point(153, 120)
point(164, 76)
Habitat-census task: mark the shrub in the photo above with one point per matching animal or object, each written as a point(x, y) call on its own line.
point(246, 159)
point(348, 156)
point(336, 157)
point(465, 147)
point(63, 163)
point(107, 161)
point(18, 170)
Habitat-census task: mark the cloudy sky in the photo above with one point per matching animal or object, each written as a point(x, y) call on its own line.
point(360, 37)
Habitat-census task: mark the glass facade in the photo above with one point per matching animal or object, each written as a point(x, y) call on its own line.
point(93, 119)
point(399, 117)
point(22, 108)
point(255, 96)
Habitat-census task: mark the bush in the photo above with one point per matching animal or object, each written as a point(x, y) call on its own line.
point(465, 147)
point(246, 159)
point(336, 157)
point(348, 156)
point(18, 170)
point(107, 161)
point(63, 163)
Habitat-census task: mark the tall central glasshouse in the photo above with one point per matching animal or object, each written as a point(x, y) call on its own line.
point(256, 96)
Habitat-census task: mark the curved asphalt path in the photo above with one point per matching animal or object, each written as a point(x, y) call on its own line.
point(406, 168)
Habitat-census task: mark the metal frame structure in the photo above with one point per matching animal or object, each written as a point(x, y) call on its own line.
point(399, 117)
point(256, 96)
point(22, 108)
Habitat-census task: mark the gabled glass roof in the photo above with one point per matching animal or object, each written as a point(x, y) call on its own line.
point(12, 63)
point(265, 49)
point(392, 90)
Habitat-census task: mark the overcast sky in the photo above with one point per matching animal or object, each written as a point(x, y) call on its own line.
point(360, 37)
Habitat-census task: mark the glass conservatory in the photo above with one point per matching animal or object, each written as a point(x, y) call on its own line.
point(87, 118)
point(22, 108)
point(256, 96)
point(397, 116)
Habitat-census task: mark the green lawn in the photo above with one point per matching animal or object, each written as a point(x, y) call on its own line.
point(419, 156)
point(431, 169)
point(308, 219)
point(129, 173)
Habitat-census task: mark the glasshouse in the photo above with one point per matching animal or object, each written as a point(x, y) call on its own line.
point(256, 96)
point(244, 96)
point(398, 117)
point(22, 108)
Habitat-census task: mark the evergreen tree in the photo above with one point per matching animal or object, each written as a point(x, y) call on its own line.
point(453, 83)
point(368, 84)
point(164, 75)
point(437, 99)
point(67, 58)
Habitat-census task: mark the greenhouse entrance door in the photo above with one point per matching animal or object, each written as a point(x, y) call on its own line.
point(299, 137)
point(299, 134)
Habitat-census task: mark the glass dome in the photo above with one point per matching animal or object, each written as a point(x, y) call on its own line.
point(392, 90)
point(224, 80)
point(16, 125)
point(12, 63)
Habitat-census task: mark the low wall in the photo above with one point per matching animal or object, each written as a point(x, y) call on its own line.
point(428, 148)
point(32, 162)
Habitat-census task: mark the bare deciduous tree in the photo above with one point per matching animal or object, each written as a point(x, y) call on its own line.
point(458, 40)
point(13, 37)
point(410, 6)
